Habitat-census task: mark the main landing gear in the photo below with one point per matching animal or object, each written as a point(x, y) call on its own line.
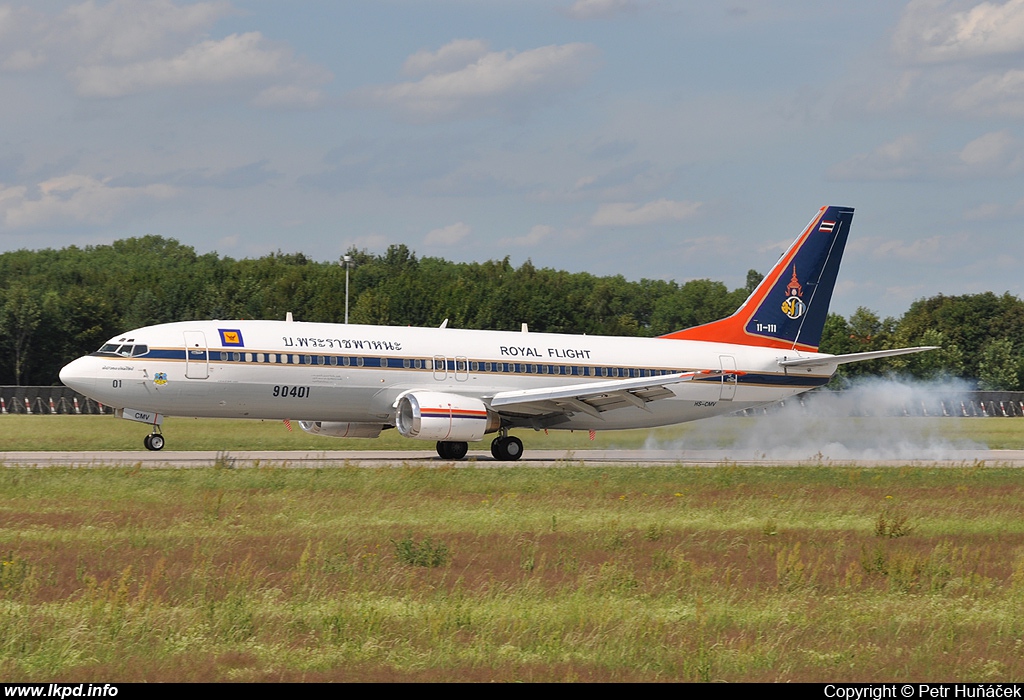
point(452, 450)
point(506, 448)
point(154, 441)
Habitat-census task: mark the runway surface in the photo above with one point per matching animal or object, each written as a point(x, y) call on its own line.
point(533, 458)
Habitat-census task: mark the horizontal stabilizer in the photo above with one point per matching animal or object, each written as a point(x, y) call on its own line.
point(829, 360)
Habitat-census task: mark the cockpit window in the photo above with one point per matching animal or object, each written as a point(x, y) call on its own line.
point(125, 350)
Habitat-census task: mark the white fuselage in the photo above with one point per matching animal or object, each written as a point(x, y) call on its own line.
point(355, 373)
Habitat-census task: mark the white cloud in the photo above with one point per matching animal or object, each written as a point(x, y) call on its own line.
point(21, 39)
point(236, 58)
point(630, 214)
point(290, 97)
point(933, 31)
point(127, 47)
point(986, 211)
point(124, 30)
point(902, 158)
point(72, 199)
point(536, 234)
point(448, 235)
point(962, 55)
point(91, 33)
point(994, 211)
point(705, 246)
point(450, 57)
point(995, 154)
point(22, 60)
point(996, 151)
point(494, 82)
point(602, 9)
point(1001, 94)
point(371, 241)
point(933, 249)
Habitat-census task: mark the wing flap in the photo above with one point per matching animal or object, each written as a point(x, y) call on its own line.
point(595, 398)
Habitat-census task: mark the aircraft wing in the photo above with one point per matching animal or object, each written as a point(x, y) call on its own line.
point(594, 398)
point(830, 360)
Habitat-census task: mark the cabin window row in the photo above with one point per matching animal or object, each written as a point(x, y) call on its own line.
point(459, 365)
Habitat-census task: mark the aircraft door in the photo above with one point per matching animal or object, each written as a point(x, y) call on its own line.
point(197, 357)
point(461, 369)
point(729, 381)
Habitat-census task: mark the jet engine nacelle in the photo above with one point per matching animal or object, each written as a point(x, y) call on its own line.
point(342, 430)
point(434, 415)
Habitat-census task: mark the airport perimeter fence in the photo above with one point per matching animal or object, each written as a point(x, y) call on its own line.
point(48, 400)
point(928, 404)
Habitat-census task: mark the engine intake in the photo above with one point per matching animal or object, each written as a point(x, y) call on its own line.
point(342, 430)
point(434, 415)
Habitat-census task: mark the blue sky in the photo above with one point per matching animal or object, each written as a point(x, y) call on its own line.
point(648, 138)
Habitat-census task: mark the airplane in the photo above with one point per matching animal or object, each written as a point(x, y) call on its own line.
point(454, 387)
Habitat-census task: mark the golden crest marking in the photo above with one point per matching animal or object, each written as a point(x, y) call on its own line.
point(794, 306)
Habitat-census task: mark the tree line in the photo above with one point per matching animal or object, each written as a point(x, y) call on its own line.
point(56, 305)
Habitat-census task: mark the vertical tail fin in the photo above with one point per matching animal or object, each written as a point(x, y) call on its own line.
point(788, 309)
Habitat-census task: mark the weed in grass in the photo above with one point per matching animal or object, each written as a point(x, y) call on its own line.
point(223, 460)
point(875, 561)
point(425, 553)
point(654, 532)
point(15, 576)
point(790, 568)
point(903, 572)
point(527, 553)
point(567, 560)
point(892, 524)
point(1017, 576)
point(617, 540)
point(613, 577)
point(911, 571)
point(212, 503)
point(662, 561)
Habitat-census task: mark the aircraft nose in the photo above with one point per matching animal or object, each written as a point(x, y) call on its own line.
point(73, 375)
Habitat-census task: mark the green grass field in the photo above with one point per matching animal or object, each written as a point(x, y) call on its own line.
point(440, 573)
point(80, 433)
point(566, 574)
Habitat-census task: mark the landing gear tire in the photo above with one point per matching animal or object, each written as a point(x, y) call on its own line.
point(507, 449)
point(154, 442)
point(452, 450)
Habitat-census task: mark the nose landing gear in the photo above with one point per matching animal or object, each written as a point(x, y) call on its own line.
point(154, 441)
